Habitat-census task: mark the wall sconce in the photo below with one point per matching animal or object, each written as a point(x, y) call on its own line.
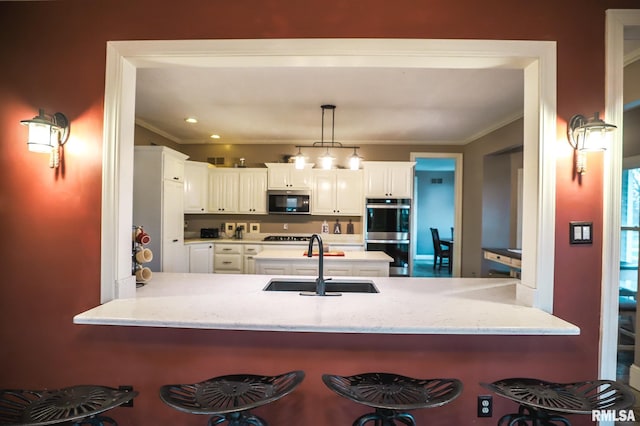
point(587, 135)
point(47, 134)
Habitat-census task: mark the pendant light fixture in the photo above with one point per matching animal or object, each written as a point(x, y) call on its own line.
point(327, 159)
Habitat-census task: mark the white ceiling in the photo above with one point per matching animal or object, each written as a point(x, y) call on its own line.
point(373, 105)
point(283, 105)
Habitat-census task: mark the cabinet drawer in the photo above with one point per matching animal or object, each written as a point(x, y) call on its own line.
point(227, 262)
point(228, 248)
point(252, 248)
point(509, 261)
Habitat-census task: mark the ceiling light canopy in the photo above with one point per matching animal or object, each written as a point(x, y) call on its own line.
point(327, 160)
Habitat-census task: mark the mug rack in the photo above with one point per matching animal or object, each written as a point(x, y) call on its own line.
point(140, 255)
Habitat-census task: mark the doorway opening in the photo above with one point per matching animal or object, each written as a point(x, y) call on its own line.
point(437, 206)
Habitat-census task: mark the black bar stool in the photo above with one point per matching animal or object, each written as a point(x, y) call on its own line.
point(75, 406)
point(229, 398)
point(546, 403)
point(392, 395)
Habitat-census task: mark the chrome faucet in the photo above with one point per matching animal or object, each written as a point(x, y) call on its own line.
point(320, 284)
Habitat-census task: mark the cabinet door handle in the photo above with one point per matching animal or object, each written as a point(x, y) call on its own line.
point(226, 263)
point(175, 241)
point(176, 178)
point(250, 257)
point(226, 249)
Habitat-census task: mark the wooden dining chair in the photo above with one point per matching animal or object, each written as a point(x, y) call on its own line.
point(440, 250)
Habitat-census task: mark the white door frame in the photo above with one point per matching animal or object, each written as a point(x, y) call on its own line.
point(457, 220)
point(612, 181)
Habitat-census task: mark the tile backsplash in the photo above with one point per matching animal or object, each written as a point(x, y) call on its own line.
point(273, 224)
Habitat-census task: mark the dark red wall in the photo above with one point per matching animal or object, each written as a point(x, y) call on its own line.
point(53, 57)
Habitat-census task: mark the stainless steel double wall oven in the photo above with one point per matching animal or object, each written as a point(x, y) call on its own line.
point(387, 228)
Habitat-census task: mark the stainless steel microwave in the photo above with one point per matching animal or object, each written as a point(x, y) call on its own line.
point(289, 201)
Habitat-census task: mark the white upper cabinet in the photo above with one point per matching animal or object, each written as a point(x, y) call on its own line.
point(223, 190)
point(196, 186)
point(173, 167)
point(237, 190)
point(286, 176)
point(337, 192)
point(253, 191)
point(388, 179)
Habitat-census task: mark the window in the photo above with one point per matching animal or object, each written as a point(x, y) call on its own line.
point(630, 229)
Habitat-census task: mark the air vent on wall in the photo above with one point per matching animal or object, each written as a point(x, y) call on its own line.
point(216, 161)
point(436, 181)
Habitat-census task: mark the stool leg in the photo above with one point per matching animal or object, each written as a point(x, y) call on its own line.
point(405, 418)
point(256, 421)
point(216, 420)
point(96, 421)
point(365, 418)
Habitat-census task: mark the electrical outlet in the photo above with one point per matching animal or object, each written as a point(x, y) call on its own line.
point(485, 405)
point(285, 226)
point(126, 388)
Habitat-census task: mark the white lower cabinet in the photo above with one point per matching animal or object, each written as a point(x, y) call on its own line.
point(305, 270)
point(227, 258)
point(273, 268)
point(249, 251)
point(339, 270)
point(369, 270)
point(201, 258)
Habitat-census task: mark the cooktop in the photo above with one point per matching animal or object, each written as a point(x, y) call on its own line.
point(286, 238)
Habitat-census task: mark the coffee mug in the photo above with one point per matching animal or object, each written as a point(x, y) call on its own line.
point(144, 255)
point(143, 238)
point(143, 275)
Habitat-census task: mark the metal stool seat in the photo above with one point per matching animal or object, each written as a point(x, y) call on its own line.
point(75, 405)
point(392, 395)
point(545, 403)
point(229, 398)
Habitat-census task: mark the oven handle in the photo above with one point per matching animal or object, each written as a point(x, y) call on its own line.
point(387, 241)
point(388, 206)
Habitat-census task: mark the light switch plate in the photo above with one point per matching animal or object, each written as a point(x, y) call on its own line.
point(580, 232)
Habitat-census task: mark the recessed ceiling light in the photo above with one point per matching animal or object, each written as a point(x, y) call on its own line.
point(215, 136)
point(191, 120)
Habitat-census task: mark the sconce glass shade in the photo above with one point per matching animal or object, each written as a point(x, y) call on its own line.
point(591, 134)
point(47, 134)
point(42, 137)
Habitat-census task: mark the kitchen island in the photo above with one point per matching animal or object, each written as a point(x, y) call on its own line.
point(403, 306)
point(343, 263)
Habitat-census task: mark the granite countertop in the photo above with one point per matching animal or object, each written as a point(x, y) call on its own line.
point(299, 255)
point(419, 305)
